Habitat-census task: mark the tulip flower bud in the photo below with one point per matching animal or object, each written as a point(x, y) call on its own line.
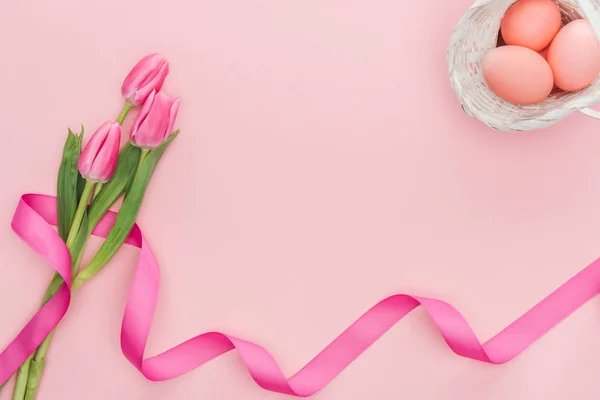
point(154, 123)
point(147, 75)
point(98, 159)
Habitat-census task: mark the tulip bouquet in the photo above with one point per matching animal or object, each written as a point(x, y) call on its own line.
point(90, 180)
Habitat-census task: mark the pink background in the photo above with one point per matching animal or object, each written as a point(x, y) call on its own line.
point(323, 164)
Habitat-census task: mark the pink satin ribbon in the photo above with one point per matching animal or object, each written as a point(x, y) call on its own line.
point(36, 213)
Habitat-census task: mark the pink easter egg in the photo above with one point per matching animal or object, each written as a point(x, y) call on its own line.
point(574, 56)
point(517, 74)
point(531, 23)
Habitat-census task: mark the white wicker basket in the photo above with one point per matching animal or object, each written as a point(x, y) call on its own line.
point(475, 35)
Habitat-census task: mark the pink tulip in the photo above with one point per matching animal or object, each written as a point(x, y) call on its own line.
point(147, 75)
point(98, 159)
point(155, 121)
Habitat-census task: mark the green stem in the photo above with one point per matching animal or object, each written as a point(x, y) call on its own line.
point(30, 372)
point(83, 203)
point(78, 283)
point(126, 108)
point(25, 369)
point(35, 374)
point(22, 377)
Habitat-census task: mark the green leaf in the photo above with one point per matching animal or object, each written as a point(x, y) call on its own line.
point(80, 178)
point(66, 191)
point(113, 189)
point(127, 215)
point(80, 186)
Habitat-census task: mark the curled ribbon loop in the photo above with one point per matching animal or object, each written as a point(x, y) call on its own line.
point(32, 222)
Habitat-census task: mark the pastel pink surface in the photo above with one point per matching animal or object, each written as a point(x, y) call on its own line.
point(331, 166)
